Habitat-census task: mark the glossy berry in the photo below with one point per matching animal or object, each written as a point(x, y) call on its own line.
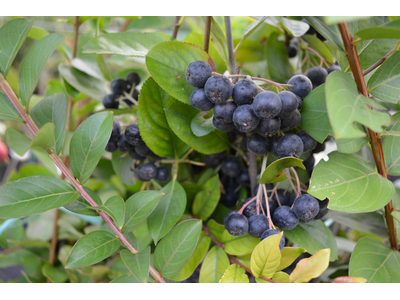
point(123, 145)
point(116, 131)
point(292, 48)
point(231, 166)
point(290, 145)
point(250, 209)
point(291, 122)
point(199, 100)
point(285, 218)
point(274, 145)
point(229, 198)
point(258, 144)
point(306, 207)
point(302, 85)
point(144, 150)
point(243, 178)
point(224, 112)
point(132, 135)
point(317, 75)
point(119, 86)
point(300, 103)
point(257, 225)
point(218, 89)
point(269, 127)
point(289, 104)
point(213, 160)
point(245, 119)
point(198, 72)
point(308, 142)
point(267, 105)
point(133, 78)
point(309, 163)
point(146, 171)
point(244, 92)
point(134, 155)
point(333, 68)
point(323, 209)
point(271, 204)
point(284, 197)
point(319, 148)
point(232, 212)
point(237, 225)
point(111, 146)
point(110, 101)
point(225, 127)
point(270, 232)
point(162, 174)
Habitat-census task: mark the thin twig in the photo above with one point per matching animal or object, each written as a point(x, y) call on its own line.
point(9, 250)
point(229, 41)
point(207, 32)
point(319, 55)
point(176, 28)
point(252, 163)
point(125, 25)
point(76, 36)
point(379, 62)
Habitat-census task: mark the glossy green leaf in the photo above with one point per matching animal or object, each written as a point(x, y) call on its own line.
point(92, 248)
point(179, 117)
point(115, 208)
point(7, 110)
point(175, 249)
point(137, 264)
point(216, 229)
point(88, 143)
point(122, 165)
point(384, 83)
point(345, 106)
point(319, 46)
point(168, 211)
point(82, 82)
point(34, 63)
point(201, 126)
point(52, 109)
point(30, 170)
point(273, 173)
point(219, 41)
point(54, 274)
point(45, 137)
point(391, 148)
point(325, 31)
point(214, 266)
point(139, 207)
point(239, 245)
point(167, 63)
point(234, 274)
point(278, 62)
point(266, 257)
point(33, 195)
point(198, 255)
point(375, 262)
point(312, 267)
point(12, 35)
point(387, 31)
point(206, 201)
point(351, 183)
point(153, 125)
point(351, 145)
point(288, 256)
point(82, 207)
point(125, 43)
point(313, 236)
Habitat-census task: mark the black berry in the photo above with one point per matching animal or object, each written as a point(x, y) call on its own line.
point(243, 178)
point(244, 92)
point(116, 131)
point(257, 225)
point(119, 86)
point(232, 212)
point(110, 101)
point(133, 78)
point(224, 112)
point(269, 127)
point(231, 166)
point(213, 160)
point(162, 174)
point(306, 207)
point(291, 122)
point(290, 145)
point(258, 144)
point(317, 75)
point(323, 209)
point(229, 198)
point(250, 209)
point(132, 135)
point(285, 218)
point(333, 68)
point(218, 89)
point(302, 85)
point(111, 146)
point(308, 142)
point(245, 119)
point(225, 127)
point(199, 100)
point(146, 171)
point(267, 105)
point(270, 232)
point(289, 103)
point(237, 225)
point(197, 73)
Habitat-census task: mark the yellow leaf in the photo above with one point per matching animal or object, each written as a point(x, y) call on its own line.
point(234, 274)
point(278, 276)
point(348, 279)
point(289, 255)
point(311, 267)
point(266, 257)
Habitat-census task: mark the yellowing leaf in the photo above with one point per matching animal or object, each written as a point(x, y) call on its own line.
point(278, 276)
point(234, 274)
point(266, 257)
point(311, 267)
point(348, 279)
point(289, 255)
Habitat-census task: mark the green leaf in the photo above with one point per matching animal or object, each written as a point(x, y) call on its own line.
point(313, 236)
point(125, 279)
point(7, 109)
point(82, 207)
point(239, 245)
point(138, 264)
point(19, 142)
point(345, 106)
point(175, 249)
point(92, 248)
point(199, 253)
point(288, 256)
point(234, 274)
point(396, 117)
point(168, 211)
point(82, 82)
point(115, 208)
point(375, 262)
point(387, 31)
point(167, 63)
point(278, 62)
point(312, 267)
point(139, 207)
point(88, 143)
point(12, 35)
point(294, 27)
point(351, 183)
point(214, 266)
point(30, 170)
point(33, 195)
point(52, 109)
point(201, 126)
point(391, 153)
point(216, 229)
point(219, 41)
point(278, 276)
point(122, 165)
point(34, 63)
point(153, 125)
point(396, 215)
point(206, 201)
point(54, 274)
point(125, 43)
point(325, 31)
point(274, 172)
point(351, 145)
point(249, 30)
point(266, 257)
point(384, 83)
point(319, 46)
point(396, 207)
point(179, 117)
point(45, 137)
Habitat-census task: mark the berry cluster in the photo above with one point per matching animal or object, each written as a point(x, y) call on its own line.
point(123, 90)
point(131, 142)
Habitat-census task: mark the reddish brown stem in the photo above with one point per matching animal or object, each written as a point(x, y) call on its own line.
point(76, 36)
point(376, 145)
point(207, 32)
point(378, 63)
point(125, 25)
point(218, 243)
point(176, 28)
